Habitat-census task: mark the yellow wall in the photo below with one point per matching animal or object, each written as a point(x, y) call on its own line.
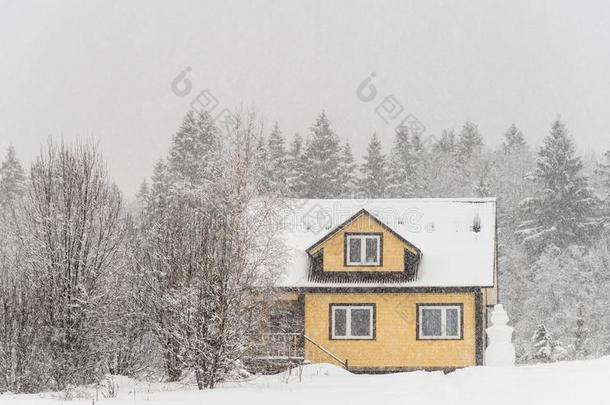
point(392, 248)
point(395, 344)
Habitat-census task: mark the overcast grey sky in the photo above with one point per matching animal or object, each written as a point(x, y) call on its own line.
point(103, 69)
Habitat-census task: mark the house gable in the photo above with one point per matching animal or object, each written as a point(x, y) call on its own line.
point(455, 252)
point(397, 259)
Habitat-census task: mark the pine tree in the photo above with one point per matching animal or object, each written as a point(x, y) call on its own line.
point(422, 155)
point(12, 178)
point(469, 142)
point(445, 176)
point(485, 180)
point(261, 147)
point(416, 144)
point(513, 140)
point(322, 160)
point(143, 193)
point(419, 150)
point(192, 160)
point(374, 171)
point(603, 171)
point(446, 145)
point(348, 172)
point(546, 349)
point(564, 208)
point(403, 165)
point(160, 187)
point(277, 149)
point(295, 167)
point(510, 185)
point(278, 161)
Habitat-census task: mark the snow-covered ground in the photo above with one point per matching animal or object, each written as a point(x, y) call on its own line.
point(579, 382)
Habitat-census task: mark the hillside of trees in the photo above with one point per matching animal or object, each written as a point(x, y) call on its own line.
point(92, 284)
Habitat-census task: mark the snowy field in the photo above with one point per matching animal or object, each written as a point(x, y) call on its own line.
point(578, 382)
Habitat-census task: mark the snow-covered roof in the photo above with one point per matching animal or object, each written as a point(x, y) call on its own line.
point(457, 238)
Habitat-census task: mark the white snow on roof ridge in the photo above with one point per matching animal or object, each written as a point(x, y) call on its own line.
point(454, 255)
point(433, 199)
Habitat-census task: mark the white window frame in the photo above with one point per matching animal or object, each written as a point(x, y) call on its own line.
point(363, 237)
point(348, 321)
point(443, 335)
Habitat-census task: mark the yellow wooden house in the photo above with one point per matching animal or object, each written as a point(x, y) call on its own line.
point(387, 285)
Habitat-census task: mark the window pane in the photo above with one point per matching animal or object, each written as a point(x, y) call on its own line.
point(361, 322)
point(371, 250)
point(452, 322)
point(354, 250)
point(340, 321)
point(431, 321)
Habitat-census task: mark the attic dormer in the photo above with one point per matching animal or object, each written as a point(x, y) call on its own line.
point(363, 249)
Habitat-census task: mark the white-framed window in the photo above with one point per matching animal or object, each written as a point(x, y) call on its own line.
point(439, 321)
point(352, 321)
point(363, 250)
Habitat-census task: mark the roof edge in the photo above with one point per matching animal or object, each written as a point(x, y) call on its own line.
point(426, 199)
point(351, 219)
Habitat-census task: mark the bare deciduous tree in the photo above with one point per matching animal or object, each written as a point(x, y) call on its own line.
point(22, 368)
point(73, 217)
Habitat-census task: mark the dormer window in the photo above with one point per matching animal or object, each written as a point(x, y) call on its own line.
point(354, 251)
point(363, 249)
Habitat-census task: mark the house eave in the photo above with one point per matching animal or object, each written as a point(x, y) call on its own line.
point(380, 289)
point(351, 219)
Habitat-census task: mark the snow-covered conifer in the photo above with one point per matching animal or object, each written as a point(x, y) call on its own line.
point(278, 160)
point(403, 166)
point(374, 171)
point(546, 348)
point(603, 171)
point(295, 167)
point(12, 178)
point(469, 142)
point(447, 144)
point(564, 209)
point(349, 170)
point(160, 186)
point(143, 192)
point(513, 140)
point(482, 188)
point(445, 174)
point(322, 161)
point(191, 160)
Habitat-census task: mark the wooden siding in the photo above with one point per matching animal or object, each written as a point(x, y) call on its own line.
point(395, 345)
